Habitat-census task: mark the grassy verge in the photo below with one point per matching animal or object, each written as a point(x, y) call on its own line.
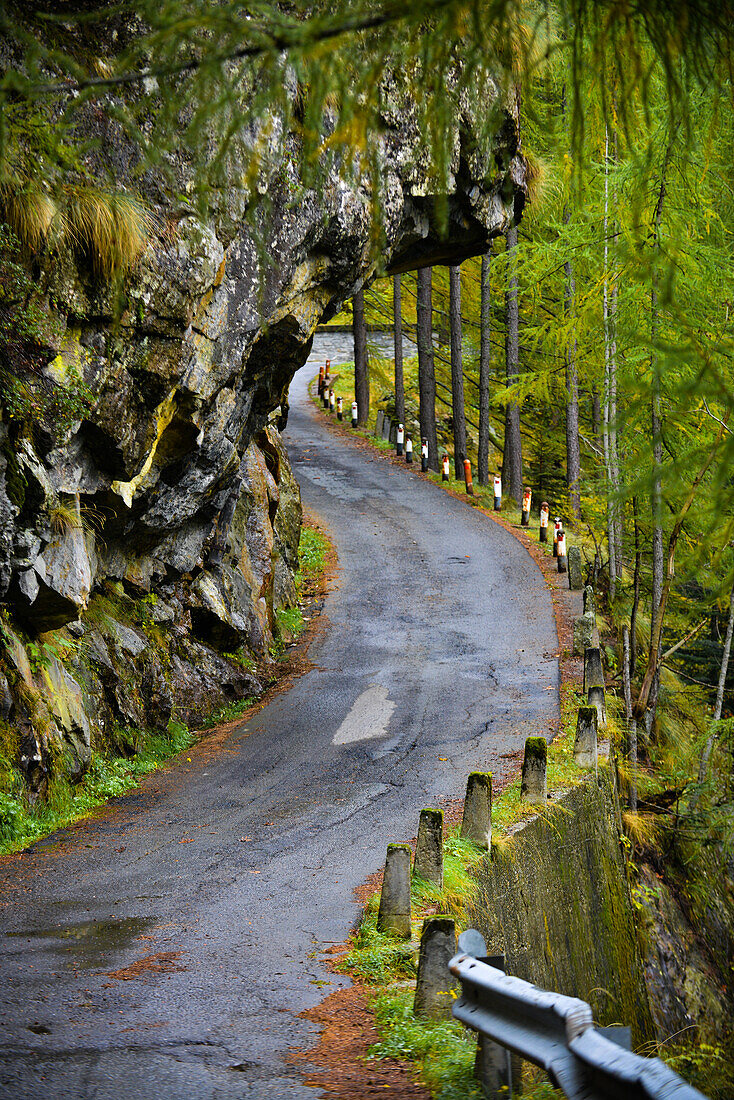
point(22, 823)
point(313, 549)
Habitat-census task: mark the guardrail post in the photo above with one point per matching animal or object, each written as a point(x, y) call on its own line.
point(435, 987)
point(585, 747)
point(476, 823)
point(575, 579)
point(497, 1069)
point(394, 913)
point(428, 863)
point(534, 786)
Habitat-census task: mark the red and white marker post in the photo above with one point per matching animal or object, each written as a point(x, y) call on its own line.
point(467, 477)
point(557, 526)
point(399, 440)
point(354, 414)
point(544, 510)
point(527, 498)
point(562, 560)
point(445, 468)
point(424, 455)
point(320, 389)
point(339, 408)
point(332, 401)
point(497, 493)
point(408, 449)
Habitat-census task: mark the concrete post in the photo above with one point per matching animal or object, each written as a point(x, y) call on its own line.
point(575, 580)
point(378, 424)
point(585, 634)
point(589, 604)
point(428, 863)
point(534, 786)
point(394, 913)
point(584, 748)
point(386, 428)
point(596, 698)
point(435, 986)
point(476, 824)
point(593, 673)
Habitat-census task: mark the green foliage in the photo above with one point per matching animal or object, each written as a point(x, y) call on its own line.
point(22, 823)
point(227, 713)
point(378, 959)
point(312, 550)
point(444, 1051)
point(706, 1066)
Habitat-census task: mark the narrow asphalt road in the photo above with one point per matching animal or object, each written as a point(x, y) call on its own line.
point(166, 949)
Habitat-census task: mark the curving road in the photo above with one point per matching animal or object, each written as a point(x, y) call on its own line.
point(166, 949)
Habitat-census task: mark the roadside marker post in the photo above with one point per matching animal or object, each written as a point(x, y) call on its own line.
point(445, 468)
point(476, 823)
point(354, 414)
point(562, 560)
point(399, 441)
point(557, 526)
point(408, 449)
point(543, 533)
point(435, 987)
point(320, 389)
point(526, 500)
point(497, 493)
point(394, 912)
point(332, 401)
point(428, 862)
point(534, 785)
point(339, 408)
point(424, 455)
point(467, 478)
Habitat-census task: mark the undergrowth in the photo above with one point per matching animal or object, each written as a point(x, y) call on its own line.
point(22, 823)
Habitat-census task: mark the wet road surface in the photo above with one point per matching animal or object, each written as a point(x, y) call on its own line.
point(166, 949)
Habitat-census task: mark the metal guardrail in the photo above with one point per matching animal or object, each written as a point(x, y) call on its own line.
point(556, 1033)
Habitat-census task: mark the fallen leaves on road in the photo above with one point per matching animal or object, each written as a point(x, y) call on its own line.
point(163, 962)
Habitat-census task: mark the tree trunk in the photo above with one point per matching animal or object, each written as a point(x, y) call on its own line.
point(361, 361)
point(719, 705)
point(426, 372)
point(484, 359)
point(512, 457)
point(656, 494)
point(573, 449)
point(398, 341)
point(457, 376)
point(611, 450)
point(630, 718)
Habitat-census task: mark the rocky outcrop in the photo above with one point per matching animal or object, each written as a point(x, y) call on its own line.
point(139, 454)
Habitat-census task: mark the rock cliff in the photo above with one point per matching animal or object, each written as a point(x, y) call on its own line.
point(149, 520)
